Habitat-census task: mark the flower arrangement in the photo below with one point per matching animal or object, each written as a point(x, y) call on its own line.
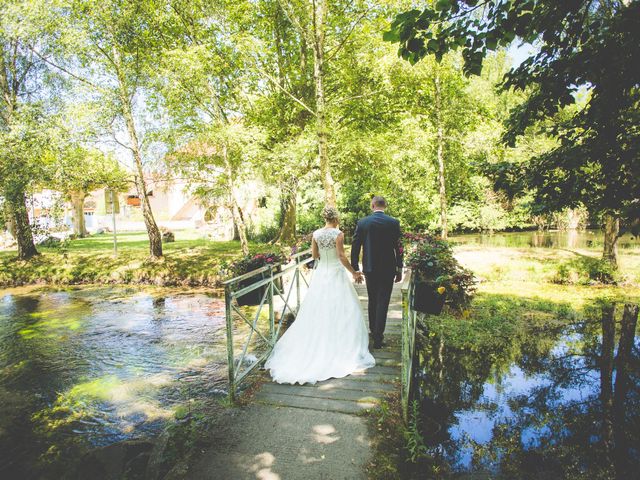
point(251, 262)
point(433, 264)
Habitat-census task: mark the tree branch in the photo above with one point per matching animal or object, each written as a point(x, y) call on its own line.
point(68, 72)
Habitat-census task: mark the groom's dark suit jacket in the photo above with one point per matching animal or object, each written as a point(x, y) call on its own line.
point(379, 234)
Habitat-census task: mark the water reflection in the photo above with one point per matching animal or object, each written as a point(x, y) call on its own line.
point(555, 402)
point(571, 239)
point(92, 366)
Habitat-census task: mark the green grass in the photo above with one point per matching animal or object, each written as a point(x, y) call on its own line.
point(189, 261)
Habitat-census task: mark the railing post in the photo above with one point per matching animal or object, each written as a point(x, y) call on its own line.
point(272, 323)
point(405, 361)
point(230, 359)
point(298, 273)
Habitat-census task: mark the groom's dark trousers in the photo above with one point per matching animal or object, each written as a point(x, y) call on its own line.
point(379, 287)
point(378, 236)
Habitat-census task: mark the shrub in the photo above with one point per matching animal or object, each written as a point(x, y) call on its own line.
point(432, 262)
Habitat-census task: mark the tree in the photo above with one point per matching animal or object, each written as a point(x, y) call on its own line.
point(23, 155)
point(311, 22)
point(281, 110)
point(110, 48)
point(78, 171)
point(25, 111)
point(582, 45)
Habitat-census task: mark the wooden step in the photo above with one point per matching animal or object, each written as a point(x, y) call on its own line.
point(309, 403)
point(315, 392)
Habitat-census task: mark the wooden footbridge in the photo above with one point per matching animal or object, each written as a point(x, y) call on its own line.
point(358, 391)
point(281, 288)
point(290, 432)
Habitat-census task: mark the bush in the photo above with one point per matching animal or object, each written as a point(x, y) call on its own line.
point(432, 262)
point(585, 271)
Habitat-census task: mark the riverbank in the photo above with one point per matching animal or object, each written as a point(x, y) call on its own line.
point(189, 261)
point(529, 343)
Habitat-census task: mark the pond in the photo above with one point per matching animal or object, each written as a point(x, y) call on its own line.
point(539, 401)
point(571, 239)
point(92, 366)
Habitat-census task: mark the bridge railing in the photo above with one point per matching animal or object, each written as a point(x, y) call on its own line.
point(409, 321)
point(277, 282)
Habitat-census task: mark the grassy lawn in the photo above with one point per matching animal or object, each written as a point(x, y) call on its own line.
point(189, 261)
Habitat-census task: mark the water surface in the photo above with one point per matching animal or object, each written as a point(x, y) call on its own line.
point(571, 239)
point(535, 403)
point(91, 366)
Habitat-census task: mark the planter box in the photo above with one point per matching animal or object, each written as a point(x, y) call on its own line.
point(426, 299)
point(255, 296)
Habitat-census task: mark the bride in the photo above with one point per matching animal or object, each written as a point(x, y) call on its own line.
point(329, 338)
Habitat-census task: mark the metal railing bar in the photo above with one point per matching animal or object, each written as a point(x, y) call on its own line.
point(285, 300)
point(253, 328)
point(256, 285)
point(299, 254)
point(253, 366)
point(244, 276)
point(248, 323)
point(252, 273)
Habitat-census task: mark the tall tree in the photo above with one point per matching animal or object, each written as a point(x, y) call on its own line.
point(25, 110)
point(111, 48)
point(310, 19)
point(215, 165)
point(582, 45)
point(283, 57)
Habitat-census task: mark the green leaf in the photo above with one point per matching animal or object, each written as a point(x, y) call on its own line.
point(443, 5)
point(391, 36)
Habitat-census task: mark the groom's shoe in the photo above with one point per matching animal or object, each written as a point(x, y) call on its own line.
point(379, 344)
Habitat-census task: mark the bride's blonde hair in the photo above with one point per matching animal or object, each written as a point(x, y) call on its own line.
point(330, 214)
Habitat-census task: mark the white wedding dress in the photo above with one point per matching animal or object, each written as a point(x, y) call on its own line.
point(329, 338)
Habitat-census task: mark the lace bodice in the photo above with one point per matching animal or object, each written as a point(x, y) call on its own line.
point(326, 238)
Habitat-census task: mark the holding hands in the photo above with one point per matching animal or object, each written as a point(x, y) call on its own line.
point(358, 277)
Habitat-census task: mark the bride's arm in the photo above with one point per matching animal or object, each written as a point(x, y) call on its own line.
point(315, 252)
point(343, 257)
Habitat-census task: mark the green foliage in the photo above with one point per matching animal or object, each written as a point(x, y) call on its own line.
point(415, 446)
point(83, 170)
point(432, 262)
point(582, 46)
point(586, 270)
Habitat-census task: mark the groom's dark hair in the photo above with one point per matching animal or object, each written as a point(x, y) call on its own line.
point(379, 202)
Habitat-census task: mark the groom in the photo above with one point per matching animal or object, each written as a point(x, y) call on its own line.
point(379, 235)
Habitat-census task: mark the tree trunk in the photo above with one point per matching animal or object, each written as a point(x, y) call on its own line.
point(288, 207)
point(77, 204)
point(440, 156)
point(606, 378)
point(24, 236)
point(236, 213)
point(155, 239)
point(611, 231)
point(319, 18)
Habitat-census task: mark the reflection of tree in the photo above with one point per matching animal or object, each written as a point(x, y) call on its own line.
point(621, 434)
point(579, 419)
